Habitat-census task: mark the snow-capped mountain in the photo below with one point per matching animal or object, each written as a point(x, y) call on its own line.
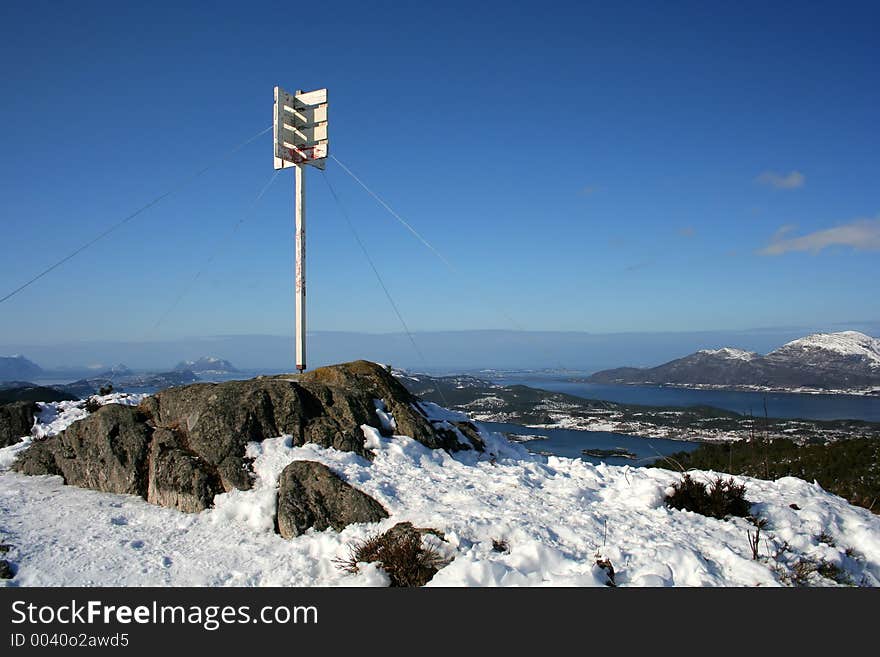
point(206, 364)
point(729, 353)
point(848, 360)
point(848, 349)
point(117, 371)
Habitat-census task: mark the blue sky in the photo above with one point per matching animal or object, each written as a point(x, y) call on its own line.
point(641, 167)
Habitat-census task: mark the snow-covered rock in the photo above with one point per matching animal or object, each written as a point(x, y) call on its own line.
point(183, 445)
point(16, 420)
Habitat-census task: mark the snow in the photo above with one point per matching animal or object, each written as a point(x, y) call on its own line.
point(730, 353)
point(557, 515)
point(844, 343)
point(487, 401)
point(387, 420)
point(437, 413)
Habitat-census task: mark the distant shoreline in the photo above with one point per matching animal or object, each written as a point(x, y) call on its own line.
point(873, 391)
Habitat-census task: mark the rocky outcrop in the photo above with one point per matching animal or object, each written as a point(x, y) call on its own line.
point(380, 384)
point(219, 420)
point(16, 420)
point(184, 445)
point(327, 407)
point(178, 477)
point(117, 450)
point(311, 495)
point(470, 433)
point(106, 451)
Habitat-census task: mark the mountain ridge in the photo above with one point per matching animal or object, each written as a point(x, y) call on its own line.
point(846, 360)
point(206, 364)
point(17, 367)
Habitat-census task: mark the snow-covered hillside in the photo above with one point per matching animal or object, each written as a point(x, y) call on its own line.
point(820, 348)
point(729, 353)
point(558, 516)
point(847, 362)
point(206, 365)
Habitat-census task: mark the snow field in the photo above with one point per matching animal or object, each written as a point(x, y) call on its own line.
point(557, 515)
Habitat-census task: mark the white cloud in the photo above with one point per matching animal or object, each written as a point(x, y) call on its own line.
point(861, 234)
point(791, 180)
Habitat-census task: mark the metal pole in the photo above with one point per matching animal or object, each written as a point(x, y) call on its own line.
point(300, 267)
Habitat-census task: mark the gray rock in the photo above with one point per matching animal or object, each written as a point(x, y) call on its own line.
point(178, 477)
point(184, 445)
point(6, 569)
point(38, 459)
point(326, 406)
point(469, 431)
point(219, 420)
point(381, 384)
point(16, 420)
point(105, 451)
point(310, 495)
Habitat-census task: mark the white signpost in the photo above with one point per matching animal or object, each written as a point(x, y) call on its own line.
point(300, 129)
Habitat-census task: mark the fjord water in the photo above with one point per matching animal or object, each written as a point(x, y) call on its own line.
point(779, 404)
point(571, 443)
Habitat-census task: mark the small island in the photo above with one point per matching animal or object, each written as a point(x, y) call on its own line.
point(618, 452)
